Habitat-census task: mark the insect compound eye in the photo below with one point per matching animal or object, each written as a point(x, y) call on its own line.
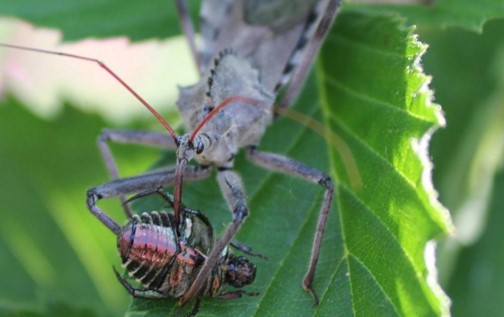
point(199, 147)
point(240, 271)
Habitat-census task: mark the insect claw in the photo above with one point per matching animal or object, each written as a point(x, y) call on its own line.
point(312, 293)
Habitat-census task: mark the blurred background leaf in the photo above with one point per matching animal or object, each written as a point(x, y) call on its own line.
point(98, 18)
point(468, 75)
point(468, 14)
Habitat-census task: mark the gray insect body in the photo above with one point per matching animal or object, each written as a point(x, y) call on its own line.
point(278, 14)
point(235, 126)
point(269, 42)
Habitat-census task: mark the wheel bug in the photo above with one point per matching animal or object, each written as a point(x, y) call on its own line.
point(229, 109)
point(165, 258)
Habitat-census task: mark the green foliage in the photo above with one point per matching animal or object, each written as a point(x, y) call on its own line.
point(135, 19)
point(467, 14)
point(468, 74)
point(368, 89)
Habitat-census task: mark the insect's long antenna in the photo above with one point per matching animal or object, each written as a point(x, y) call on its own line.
point(226, 102)
point(108, 70)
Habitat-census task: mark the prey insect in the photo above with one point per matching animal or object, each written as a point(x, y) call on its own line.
point(165, 258)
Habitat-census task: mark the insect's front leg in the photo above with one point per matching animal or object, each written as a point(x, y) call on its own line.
point(232, 189)
point(140, 183)
point(289, 166)
point(236, 294)
point(147, 138)
point(246, 249)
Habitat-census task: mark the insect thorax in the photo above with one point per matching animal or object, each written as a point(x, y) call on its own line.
point(235, 126)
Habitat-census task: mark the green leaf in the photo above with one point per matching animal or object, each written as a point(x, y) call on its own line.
point(368, 89)
point(466, 153)
point(384, 120)
point(59, 310)
point(467, 14)
point(98, 18)
point(51, 249)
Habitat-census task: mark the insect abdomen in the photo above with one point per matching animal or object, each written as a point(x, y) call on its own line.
point(150, 253)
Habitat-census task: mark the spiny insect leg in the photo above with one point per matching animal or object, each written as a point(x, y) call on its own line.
point(138, 293)
point(309, 54)
point(246, 249)
point(232, 189)
point(237, 294)
point(195, 308)
point(142, 194)
point(292, 167)
point(147, 138)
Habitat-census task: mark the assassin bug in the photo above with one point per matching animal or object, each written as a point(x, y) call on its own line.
point(230, 108)
point(165, 257)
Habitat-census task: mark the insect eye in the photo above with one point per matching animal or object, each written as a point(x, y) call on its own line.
point(200, 147)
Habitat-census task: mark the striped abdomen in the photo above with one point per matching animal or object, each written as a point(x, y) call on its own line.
point(150, 253)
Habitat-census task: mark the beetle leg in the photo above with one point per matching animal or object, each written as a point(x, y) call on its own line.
point(246, 249)
point(195, 308)
point(236, 294)
point(138, 293)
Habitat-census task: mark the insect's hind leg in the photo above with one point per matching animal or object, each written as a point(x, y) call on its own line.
point(289, 166)
point(147, 138)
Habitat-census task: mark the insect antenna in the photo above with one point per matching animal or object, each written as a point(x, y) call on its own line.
point(108, 70)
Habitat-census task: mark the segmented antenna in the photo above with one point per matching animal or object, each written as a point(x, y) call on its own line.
point(108, 70)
